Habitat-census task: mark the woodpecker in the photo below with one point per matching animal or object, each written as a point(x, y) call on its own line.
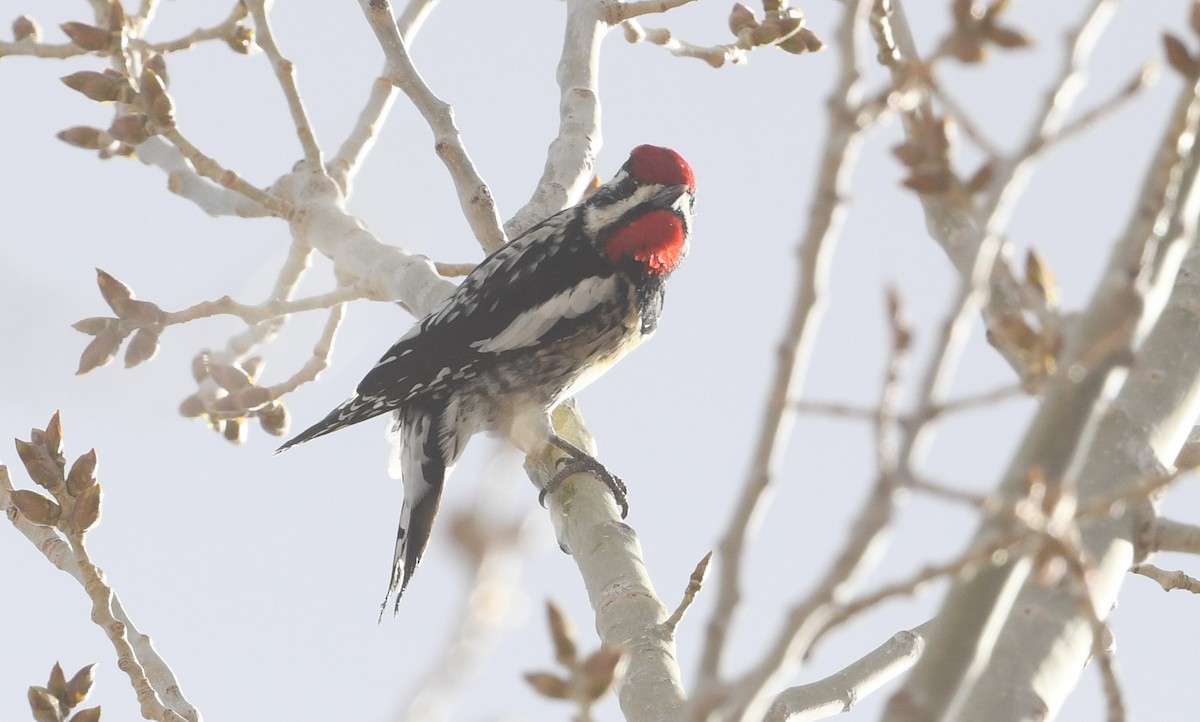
point(534, 323)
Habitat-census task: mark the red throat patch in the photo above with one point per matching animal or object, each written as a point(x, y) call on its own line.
point(652, 164)
point(656, 240)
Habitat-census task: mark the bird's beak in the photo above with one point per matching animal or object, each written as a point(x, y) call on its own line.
point(673, 198)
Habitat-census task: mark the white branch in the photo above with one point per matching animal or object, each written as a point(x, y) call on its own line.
point(840, 691)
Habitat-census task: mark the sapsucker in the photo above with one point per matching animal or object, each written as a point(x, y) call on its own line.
point(534, 323)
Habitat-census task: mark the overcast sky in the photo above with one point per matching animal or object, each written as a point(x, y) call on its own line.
point(260, 577)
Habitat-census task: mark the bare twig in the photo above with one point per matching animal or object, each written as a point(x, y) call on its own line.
point(794, 349)
point(354, 148)
point(689, 594)
point(286, 73)
point(491, 552)
point(145, 673)
point(945, 491)
point(319, 360)
point(1144, 79)
point(225, 30)
point(1168, 580)
point(840, 691)
point(571, 157)
point(715, 55)
point(209, 168)
point(474, 196)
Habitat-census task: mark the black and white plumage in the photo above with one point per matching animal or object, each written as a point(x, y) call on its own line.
point(534, 323)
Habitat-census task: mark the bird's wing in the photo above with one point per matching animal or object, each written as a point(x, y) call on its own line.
point(530, 291)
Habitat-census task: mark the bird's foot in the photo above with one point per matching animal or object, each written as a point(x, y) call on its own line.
point(581, 461)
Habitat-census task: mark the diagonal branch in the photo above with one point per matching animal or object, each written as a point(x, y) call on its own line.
point(827, 211)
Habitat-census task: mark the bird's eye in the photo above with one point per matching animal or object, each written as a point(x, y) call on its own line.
point(612, 192)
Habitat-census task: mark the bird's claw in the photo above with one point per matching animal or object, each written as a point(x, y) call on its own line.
point(568, 466)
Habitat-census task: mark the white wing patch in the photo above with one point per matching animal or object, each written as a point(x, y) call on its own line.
point(529, 326)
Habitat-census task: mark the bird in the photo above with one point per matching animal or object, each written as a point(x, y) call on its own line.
point(534, 323)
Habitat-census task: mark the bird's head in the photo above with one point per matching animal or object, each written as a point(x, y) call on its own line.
point(643, 216)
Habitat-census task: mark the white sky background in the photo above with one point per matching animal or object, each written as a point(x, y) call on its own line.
point(260, 577)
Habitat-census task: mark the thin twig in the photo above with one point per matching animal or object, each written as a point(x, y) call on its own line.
point(209, 168)
point(778, 415)
point(286, 73)
point(223, 31)
point(840, 691)
point(474, 196)
point(1137, 84)
point(71, 558)
point(353, 150)
point(256, 313)
point(689, 594)
point(1168, 580)
point(715, 55)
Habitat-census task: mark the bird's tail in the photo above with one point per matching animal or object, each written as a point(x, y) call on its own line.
point(426, 451)
point(351, 411)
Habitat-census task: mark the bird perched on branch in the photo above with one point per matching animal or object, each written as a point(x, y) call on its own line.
point(534, 323)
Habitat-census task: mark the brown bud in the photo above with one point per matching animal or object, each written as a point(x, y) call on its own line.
point(253, 366)
point(548, 685)
point(741, 18)
point(154, 99)
point(101, 351)
point(1008, 38)
point(115, 293)
point(242, 40)
point(158, 64)
point(88, 37)
point(162, 111)
point(57, 684)
point(561, 632)
point(1178, 56)
point(275, 419)
point(802, 41)
point(230, 378)
point(600, 671)
point(142, 347)
point(980, 179)
point(1040, 279)
point(790, 21)
point(35, 507)
point(235, 430)
point(80, 685)
point(766, 33)
point(91, 714)
point(191, 407)
point(43, 705)
point(40, 464)
point(95, 325)
point(86, 513)
point(116, 16)
point(150, 86)
point(931, 182)
point(83, 136)
point(966, 48)
point(82, 474)
point(131, 128)
point(52, 439)
point(25, 27)
point(252, 397)
point(98, 86)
